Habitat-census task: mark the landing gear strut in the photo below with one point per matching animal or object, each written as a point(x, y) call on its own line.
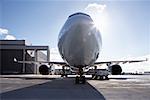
point(80, 79)
point(63, 72)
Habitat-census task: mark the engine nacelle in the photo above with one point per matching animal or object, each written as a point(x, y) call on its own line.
point(115, 69)
point(44, 70)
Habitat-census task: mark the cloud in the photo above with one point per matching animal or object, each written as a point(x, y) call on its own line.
point(95, 8)
point(9, 37)
point(3, 31)
point(99, 14)
point(5, 35)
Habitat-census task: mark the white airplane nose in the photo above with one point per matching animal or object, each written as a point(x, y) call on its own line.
point(78, 43)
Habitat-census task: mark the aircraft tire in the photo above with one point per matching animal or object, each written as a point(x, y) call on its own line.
point(77, 80)
point(101, 78)
point(93, 76)
point(106, 78)
point(66, 75)
point(83, 79)
point(96, 77)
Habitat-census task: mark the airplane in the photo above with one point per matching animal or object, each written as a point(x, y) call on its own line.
point(79, 44)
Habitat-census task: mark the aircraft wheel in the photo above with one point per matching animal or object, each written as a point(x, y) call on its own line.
point(93, 76)
point(80, 80)
point(77, 80)
point(101, 78)
point(96, 77)
point(62, 75)
point(83, 79)
point(66, 75)
point(106, 78)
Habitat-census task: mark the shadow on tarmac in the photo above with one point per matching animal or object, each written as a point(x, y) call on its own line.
point(58, 89)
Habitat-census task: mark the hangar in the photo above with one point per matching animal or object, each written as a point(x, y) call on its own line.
point(10, 49)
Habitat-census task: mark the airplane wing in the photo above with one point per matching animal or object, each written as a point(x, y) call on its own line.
point(121, 61)
point(96, 63)
point(40, 62)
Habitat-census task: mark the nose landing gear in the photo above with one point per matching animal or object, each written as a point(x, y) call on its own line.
point(80, 79)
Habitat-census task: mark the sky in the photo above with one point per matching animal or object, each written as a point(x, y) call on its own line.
point(124, 25)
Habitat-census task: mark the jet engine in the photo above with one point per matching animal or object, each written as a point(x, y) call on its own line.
point(44, 70)
point(115, 69)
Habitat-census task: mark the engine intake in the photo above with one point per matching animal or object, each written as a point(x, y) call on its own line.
point(44, 70)
point(116, 70)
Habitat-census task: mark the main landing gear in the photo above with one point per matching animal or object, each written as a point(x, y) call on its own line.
point(80, 79)
point(63, 72)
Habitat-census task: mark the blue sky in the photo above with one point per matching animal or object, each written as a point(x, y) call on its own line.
point(124, 25)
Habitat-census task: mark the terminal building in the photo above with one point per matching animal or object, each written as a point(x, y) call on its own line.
point(10, 49)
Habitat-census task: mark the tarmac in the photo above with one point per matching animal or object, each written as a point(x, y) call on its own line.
point(38, 87)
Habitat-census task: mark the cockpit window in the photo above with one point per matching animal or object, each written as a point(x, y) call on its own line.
point(79, 14)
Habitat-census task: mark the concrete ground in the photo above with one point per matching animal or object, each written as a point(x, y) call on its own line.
point(37, 87)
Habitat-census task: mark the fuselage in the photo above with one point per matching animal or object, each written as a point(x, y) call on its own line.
point(79, 41)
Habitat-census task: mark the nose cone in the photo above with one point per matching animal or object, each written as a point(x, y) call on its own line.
point(76, 23)
point(76, 18)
